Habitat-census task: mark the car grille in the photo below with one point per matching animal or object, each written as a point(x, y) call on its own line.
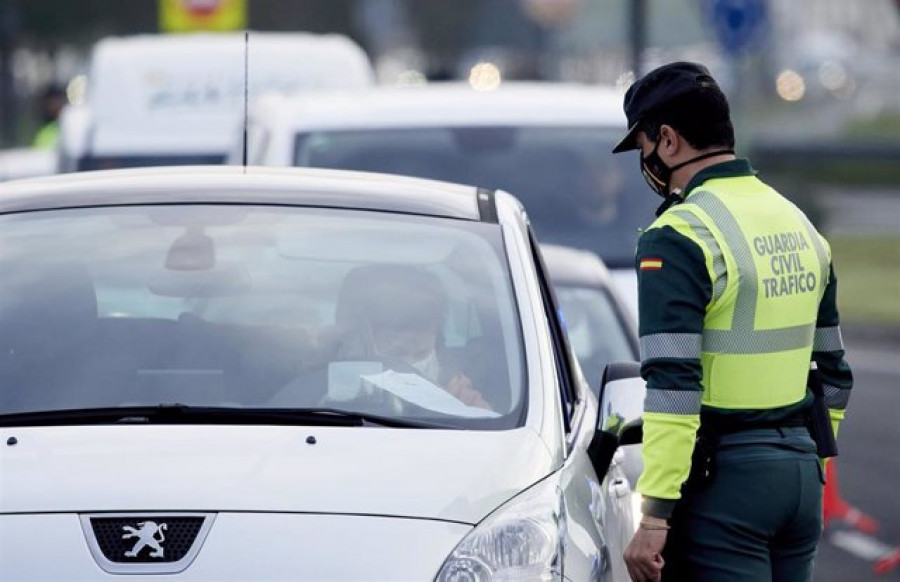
point(155, 539)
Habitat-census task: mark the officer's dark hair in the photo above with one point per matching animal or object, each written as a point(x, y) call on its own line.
point(702, 117)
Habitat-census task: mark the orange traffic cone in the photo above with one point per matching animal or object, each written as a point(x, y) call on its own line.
point(888, 563)
point(834, 507)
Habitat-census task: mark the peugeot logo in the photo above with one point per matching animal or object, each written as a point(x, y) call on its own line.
point(148, 534)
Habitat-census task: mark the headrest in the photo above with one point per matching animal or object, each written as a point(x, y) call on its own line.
point(391, 294)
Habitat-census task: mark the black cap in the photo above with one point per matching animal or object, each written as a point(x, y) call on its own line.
point(657, 88)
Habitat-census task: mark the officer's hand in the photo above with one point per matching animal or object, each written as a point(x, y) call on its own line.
point(644, 555)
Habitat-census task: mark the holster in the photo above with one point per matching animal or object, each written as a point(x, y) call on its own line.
point(703, 460)
point(818, 419)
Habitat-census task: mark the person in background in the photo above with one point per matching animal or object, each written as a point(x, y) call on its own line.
point(737, 297)
point(51, 103)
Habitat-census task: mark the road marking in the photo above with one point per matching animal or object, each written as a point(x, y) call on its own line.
point(888, 366)
point(860, 545)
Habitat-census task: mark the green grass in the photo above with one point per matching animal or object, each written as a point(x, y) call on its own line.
point(886, 125)
point(868, 272)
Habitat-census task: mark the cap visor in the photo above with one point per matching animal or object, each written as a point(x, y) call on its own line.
point(629, 142)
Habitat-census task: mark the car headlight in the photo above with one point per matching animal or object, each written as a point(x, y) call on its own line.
point(520, 541)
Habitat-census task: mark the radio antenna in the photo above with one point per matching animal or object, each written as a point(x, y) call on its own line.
point(246, 91)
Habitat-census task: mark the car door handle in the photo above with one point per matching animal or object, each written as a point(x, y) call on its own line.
point(619, 487)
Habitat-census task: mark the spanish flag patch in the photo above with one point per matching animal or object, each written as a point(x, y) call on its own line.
point(651, 264)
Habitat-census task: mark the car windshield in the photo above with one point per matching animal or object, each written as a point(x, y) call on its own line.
point(575, 191)
point(259, 307)
point(115, 162)
point(595, 328)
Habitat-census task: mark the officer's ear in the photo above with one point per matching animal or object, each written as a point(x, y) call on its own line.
point(669, 140)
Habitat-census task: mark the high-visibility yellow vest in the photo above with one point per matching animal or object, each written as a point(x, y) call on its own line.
point(769, 268)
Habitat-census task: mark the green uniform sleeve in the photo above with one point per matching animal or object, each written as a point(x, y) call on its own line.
point(674, 289)
point(828, 353)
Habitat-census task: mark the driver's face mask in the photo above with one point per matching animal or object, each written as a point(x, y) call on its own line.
point(429, 367)
point(404, 344)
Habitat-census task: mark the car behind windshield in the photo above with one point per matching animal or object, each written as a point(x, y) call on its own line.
point(597, 332)
point(575, 191)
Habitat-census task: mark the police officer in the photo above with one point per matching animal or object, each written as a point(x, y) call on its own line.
point(52, 101)
point(737, 297)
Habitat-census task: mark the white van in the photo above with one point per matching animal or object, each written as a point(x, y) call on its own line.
point(162, 100)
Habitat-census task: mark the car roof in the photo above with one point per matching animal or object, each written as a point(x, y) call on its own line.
point(235, 184)
point(572, 266)
point(445, 104)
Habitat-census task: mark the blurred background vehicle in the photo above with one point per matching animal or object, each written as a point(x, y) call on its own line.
point(548, 144)
point(599, 323)
point(152, 100)
point(18, 163)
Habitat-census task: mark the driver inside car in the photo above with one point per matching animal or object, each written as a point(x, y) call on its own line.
point(395, 314)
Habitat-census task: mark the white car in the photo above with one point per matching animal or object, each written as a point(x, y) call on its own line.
point(547, 144)
point(16, 163)
point(203, 379)
point(177, 99)
point(598, 323)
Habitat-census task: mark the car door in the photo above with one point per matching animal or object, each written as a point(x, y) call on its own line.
point(598, 518)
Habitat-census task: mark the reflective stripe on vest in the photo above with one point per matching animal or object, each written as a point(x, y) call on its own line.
point(759, 326)
point(742, 337)
point(702, 233)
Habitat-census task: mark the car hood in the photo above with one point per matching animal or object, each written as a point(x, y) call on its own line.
point(453, 475)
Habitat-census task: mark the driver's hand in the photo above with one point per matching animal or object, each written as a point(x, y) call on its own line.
point(461, 386)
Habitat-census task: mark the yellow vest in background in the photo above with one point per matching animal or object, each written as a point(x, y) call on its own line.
point(202, 15)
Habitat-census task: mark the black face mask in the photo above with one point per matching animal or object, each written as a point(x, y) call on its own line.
point(658, 175)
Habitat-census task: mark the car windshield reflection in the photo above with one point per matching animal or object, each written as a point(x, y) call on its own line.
point(243, 307)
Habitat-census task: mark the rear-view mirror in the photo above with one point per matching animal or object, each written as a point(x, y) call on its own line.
point(223, 281)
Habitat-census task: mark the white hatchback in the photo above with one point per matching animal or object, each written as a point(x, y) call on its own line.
point(220, 374)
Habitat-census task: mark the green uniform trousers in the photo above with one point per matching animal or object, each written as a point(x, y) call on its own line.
point(758, 520)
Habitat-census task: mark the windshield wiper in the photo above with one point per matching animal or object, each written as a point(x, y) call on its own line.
point(185, 414)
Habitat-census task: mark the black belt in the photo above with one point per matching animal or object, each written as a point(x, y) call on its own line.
point(713, 428)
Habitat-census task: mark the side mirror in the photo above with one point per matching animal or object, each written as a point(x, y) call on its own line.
point(619, 419)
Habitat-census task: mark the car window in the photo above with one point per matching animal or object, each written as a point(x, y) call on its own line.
point(577, 193)
point(92, 162)
point(259, 307)
point(595, 329)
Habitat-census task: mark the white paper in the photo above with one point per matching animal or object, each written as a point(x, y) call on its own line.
point(419, 391)
point(344, 378)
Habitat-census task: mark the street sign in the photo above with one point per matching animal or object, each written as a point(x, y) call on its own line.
point(202, 15)
point(740, 25)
